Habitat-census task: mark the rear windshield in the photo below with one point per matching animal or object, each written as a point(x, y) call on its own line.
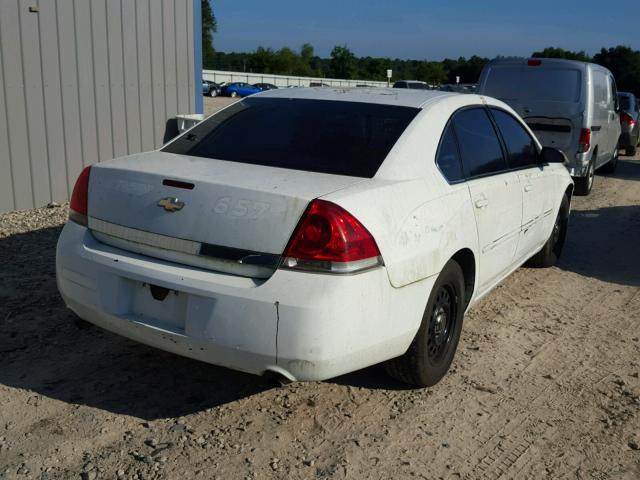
point(534, 83)
point(625, 102)
point(342, 138)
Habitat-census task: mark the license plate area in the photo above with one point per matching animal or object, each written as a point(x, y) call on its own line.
point(158, 306)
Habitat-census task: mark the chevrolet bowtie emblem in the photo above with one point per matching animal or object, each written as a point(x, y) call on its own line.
point(171, 204)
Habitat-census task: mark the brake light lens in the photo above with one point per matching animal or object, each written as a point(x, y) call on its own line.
point(329, 239)
point(627, 119)
point(585, 140)
point(534, 63)
point(80, 198)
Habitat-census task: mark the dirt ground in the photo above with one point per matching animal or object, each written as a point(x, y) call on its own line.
point(212, 105)
point(545, 383)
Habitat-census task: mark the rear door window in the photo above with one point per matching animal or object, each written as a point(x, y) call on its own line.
point(336, 137)
point(521, 148)
point(534, 83)
point(479, 145)
point(448, 158)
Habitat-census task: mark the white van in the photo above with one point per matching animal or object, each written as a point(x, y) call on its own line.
point(571, 106)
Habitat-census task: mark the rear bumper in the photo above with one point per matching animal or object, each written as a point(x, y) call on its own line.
point(304, 326)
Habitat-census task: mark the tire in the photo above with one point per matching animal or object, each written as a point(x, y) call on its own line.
point(213, 92)
point(631, 151)
point(430, 354)
point(583, 185)
point(550, 253)
point(233, 94)
point(611, 165)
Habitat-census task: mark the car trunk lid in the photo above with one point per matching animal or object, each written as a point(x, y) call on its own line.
point(163, 204)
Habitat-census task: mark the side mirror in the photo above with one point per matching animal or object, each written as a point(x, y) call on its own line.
point(552, 155)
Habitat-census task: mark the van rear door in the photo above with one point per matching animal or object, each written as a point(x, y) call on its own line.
point(548, 96)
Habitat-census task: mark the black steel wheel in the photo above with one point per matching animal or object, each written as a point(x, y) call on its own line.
point(441, 324)
point(550, 253)
point(430, 354)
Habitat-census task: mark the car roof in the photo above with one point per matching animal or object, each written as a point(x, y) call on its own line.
point(548, 61)
point(383, 96)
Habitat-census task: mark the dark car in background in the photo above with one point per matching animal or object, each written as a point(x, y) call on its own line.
point(239, 89)
point(209, 88)
point(413, 84)
point(265, 86)
point(629, 122)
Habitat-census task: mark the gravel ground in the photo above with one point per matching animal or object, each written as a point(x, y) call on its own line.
point(212, 105)
point(545, 383)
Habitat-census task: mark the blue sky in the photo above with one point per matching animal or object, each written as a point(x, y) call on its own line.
point(426, 29)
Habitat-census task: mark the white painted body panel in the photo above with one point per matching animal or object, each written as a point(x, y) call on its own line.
point(309, 326)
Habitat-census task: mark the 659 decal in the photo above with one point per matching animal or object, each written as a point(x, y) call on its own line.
point(240, 208)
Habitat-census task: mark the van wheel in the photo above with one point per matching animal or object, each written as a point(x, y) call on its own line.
point(550, 253)
point(428, 358)
point(631, 151)
point(585, 184)
point(611, 165)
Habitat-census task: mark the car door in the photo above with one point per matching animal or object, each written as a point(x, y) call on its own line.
point(495, 194)
point(523, 157)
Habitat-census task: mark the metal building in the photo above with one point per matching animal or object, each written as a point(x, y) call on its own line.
point(83, 81)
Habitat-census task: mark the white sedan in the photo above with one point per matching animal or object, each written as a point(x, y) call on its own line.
point(307, 233)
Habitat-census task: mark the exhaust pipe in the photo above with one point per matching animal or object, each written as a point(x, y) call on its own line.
point(276, 378)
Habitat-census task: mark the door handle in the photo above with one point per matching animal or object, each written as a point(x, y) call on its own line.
point(528, 188)
point(483, 202)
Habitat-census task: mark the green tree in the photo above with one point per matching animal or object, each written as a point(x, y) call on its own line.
point(343, 62)
point(209, 27)
point(624, 63)
point(431, 72)
point(552, 52)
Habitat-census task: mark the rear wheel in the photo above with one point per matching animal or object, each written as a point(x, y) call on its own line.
point(428, 358)
point(585, 184)
point(550, 253)
point(213, 92)
point(233, 94)
point(631, 151)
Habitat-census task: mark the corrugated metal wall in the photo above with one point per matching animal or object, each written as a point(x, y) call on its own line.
point(83, 81)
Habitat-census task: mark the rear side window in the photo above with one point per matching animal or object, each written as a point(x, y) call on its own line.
point(448, 159)
point(479, 146)
point(520, 146)
point(400, 85)
point(341, 138)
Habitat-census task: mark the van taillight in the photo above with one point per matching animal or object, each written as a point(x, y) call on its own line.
point(80, 198)
point(627, 119)
point(534, 63)
point(329, 239)
point(585, 140)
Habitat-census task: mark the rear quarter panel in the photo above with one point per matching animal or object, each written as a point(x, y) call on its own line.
point(421, 221)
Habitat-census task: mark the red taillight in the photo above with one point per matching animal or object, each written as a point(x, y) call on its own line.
point(627, 119)
point(585, 140)
point(330, 239)
point(80, 198)
point(534, 63)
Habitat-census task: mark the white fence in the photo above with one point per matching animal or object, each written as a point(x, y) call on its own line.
point(219, 76)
